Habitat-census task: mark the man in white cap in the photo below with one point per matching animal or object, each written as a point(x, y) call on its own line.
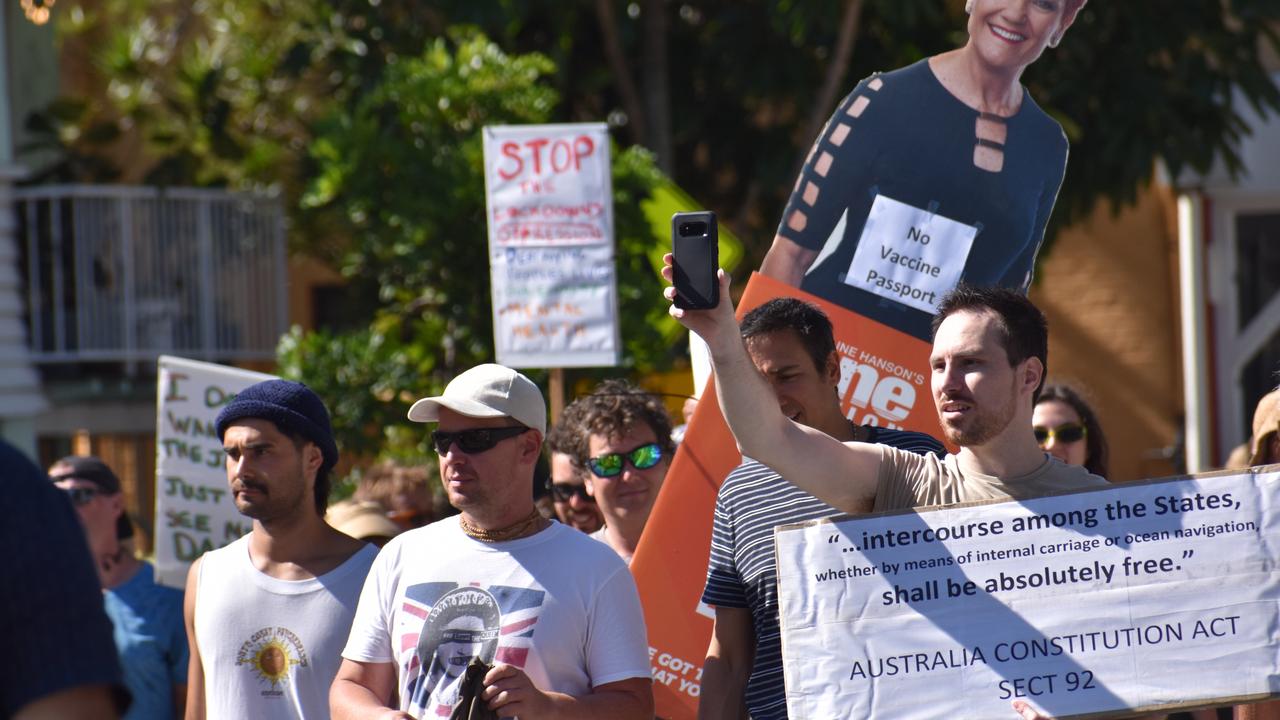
point(554, 613)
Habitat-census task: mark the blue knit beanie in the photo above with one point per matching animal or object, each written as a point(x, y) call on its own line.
point(292, 406)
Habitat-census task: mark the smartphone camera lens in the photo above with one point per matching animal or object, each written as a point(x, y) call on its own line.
point(693, 229)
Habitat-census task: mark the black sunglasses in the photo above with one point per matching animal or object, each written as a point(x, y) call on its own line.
point(1063, 433)
point(81, 496)
point(474, 441)
point(564, 492)
point(641, 458)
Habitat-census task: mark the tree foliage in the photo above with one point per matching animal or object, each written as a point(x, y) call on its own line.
point(365, 114)
point(1137, 82)
point(1132, 83)
point(402, 170)
point(227, 91)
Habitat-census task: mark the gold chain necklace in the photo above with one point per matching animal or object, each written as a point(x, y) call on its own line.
point(526, 526)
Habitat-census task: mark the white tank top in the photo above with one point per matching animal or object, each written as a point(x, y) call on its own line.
point(271, 648)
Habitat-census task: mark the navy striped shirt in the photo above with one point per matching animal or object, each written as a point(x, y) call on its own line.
point(752, 501)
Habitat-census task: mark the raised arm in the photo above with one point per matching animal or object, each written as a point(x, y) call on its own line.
point(841, 475)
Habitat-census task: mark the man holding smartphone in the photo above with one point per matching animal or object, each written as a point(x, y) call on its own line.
point(988, 362)
point(792, 345)
point(695, 253)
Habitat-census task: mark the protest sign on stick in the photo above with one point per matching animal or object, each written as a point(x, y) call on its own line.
point(1146, 596)
point(551, 249)
point(194, 509)
point(883, 381)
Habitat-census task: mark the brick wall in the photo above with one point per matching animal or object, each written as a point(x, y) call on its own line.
point(1109, 289)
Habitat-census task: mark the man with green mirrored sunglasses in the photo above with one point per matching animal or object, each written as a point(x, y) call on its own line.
point(612, 464)
point(626, 449)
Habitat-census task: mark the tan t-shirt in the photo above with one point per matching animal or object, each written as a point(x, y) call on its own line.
point(908, 480)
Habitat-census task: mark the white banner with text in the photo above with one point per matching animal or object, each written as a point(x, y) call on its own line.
point(1147, 596)
point(549, 195)
point(194, 510)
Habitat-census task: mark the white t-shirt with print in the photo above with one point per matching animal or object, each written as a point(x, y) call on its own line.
point(557, 604)
point(269, 647)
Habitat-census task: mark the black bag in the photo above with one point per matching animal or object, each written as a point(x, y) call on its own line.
point(470, 706)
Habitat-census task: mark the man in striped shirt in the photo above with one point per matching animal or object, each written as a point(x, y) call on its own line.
point(791, 343)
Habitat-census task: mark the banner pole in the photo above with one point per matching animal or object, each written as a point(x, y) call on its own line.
point(556, 388)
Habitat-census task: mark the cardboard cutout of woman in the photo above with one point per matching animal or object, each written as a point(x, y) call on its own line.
point(942, 171)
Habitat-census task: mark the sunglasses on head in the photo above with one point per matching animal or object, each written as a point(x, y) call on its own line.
point(1063, 433)
point(612, 464)
point(474, 441)
point(564, 492)
point(81, 495)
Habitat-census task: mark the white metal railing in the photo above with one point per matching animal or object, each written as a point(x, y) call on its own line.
point(125, 274)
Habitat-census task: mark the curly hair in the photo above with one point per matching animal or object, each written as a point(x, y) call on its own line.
point(566, 436)
point(613, 408)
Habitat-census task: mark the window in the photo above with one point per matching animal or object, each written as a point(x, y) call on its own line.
point(1258, 263)
point(1257, 285)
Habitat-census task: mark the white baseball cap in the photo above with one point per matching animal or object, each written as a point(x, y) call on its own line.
point(488, 390)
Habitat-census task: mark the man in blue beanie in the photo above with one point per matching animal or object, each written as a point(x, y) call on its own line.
point(267, 615)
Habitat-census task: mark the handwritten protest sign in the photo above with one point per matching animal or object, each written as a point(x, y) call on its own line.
point(551, 249)
point(554, 306)
point(194, 510)
point(1150, 596)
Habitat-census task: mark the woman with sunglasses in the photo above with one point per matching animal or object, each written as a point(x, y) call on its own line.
point(1068, 429)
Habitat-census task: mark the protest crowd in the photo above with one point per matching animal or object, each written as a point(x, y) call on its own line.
point(430, 625)
point(516, 597)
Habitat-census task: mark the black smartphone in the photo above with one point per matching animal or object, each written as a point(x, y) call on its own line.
point(696, 252)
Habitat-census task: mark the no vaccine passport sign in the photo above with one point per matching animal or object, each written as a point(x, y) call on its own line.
point(1150, 596)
